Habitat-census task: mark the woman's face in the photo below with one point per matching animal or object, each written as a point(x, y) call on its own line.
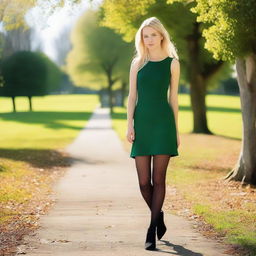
point(151, 37)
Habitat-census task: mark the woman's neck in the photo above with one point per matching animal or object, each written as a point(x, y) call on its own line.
point(157, 54)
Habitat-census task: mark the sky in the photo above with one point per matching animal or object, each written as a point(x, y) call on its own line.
point(48, 25)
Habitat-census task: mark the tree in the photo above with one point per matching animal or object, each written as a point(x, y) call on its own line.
point(35, 75)
point(99, 56)
point(199, 69)
point(231, 35)
point(12, 16)
point(12, 12)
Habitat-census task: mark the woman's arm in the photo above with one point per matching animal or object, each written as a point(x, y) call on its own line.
point(173, 92)
point(132, 97)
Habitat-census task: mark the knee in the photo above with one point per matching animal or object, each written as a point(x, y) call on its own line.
point(144, 186)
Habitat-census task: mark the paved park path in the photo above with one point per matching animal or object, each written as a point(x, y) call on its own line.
point(99, 209)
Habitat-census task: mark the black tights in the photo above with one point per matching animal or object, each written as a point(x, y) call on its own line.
point(153, 194)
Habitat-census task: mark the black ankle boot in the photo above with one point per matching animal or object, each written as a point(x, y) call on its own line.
point(150, 243)
point(161, 228)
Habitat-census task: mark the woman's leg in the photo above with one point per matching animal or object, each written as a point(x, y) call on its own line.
point(160, 164)
point(143, 166)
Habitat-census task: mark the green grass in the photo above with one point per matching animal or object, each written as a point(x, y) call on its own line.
point(11, 186)
point(239, 224)
point(224, 115)
point(30, 143)
point(53, 123)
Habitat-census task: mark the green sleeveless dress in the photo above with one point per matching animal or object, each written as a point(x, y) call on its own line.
point(154, 121)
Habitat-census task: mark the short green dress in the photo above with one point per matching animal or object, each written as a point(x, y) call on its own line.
point(154, 121)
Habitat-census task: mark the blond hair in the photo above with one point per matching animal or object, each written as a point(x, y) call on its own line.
point(142, 54)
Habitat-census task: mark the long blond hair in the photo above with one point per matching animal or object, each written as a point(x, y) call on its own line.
point(141, 52)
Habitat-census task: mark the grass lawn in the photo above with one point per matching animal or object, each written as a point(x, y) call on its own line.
point(195, 188)
point(32, 157)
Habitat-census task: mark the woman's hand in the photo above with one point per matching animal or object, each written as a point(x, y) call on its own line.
point(130, 135)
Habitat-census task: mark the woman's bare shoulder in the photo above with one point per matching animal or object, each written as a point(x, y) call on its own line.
point(135, 64)
point(175, 65)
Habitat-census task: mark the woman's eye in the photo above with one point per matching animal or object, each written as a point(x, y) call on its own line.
point(152, 35)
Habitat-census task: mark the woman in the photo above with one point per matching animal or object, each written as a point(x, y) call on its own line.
point(152, 118)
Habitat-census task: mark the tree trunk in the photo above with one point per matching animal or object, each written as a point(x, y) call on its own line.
point(110, 93)
point(13, 104)
point(111, 82)
point(30, 103)
point(109, 70)
point(245, 169)
point(197, 84)
point(197, 98)
point(123, 91)
point(110, 98)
